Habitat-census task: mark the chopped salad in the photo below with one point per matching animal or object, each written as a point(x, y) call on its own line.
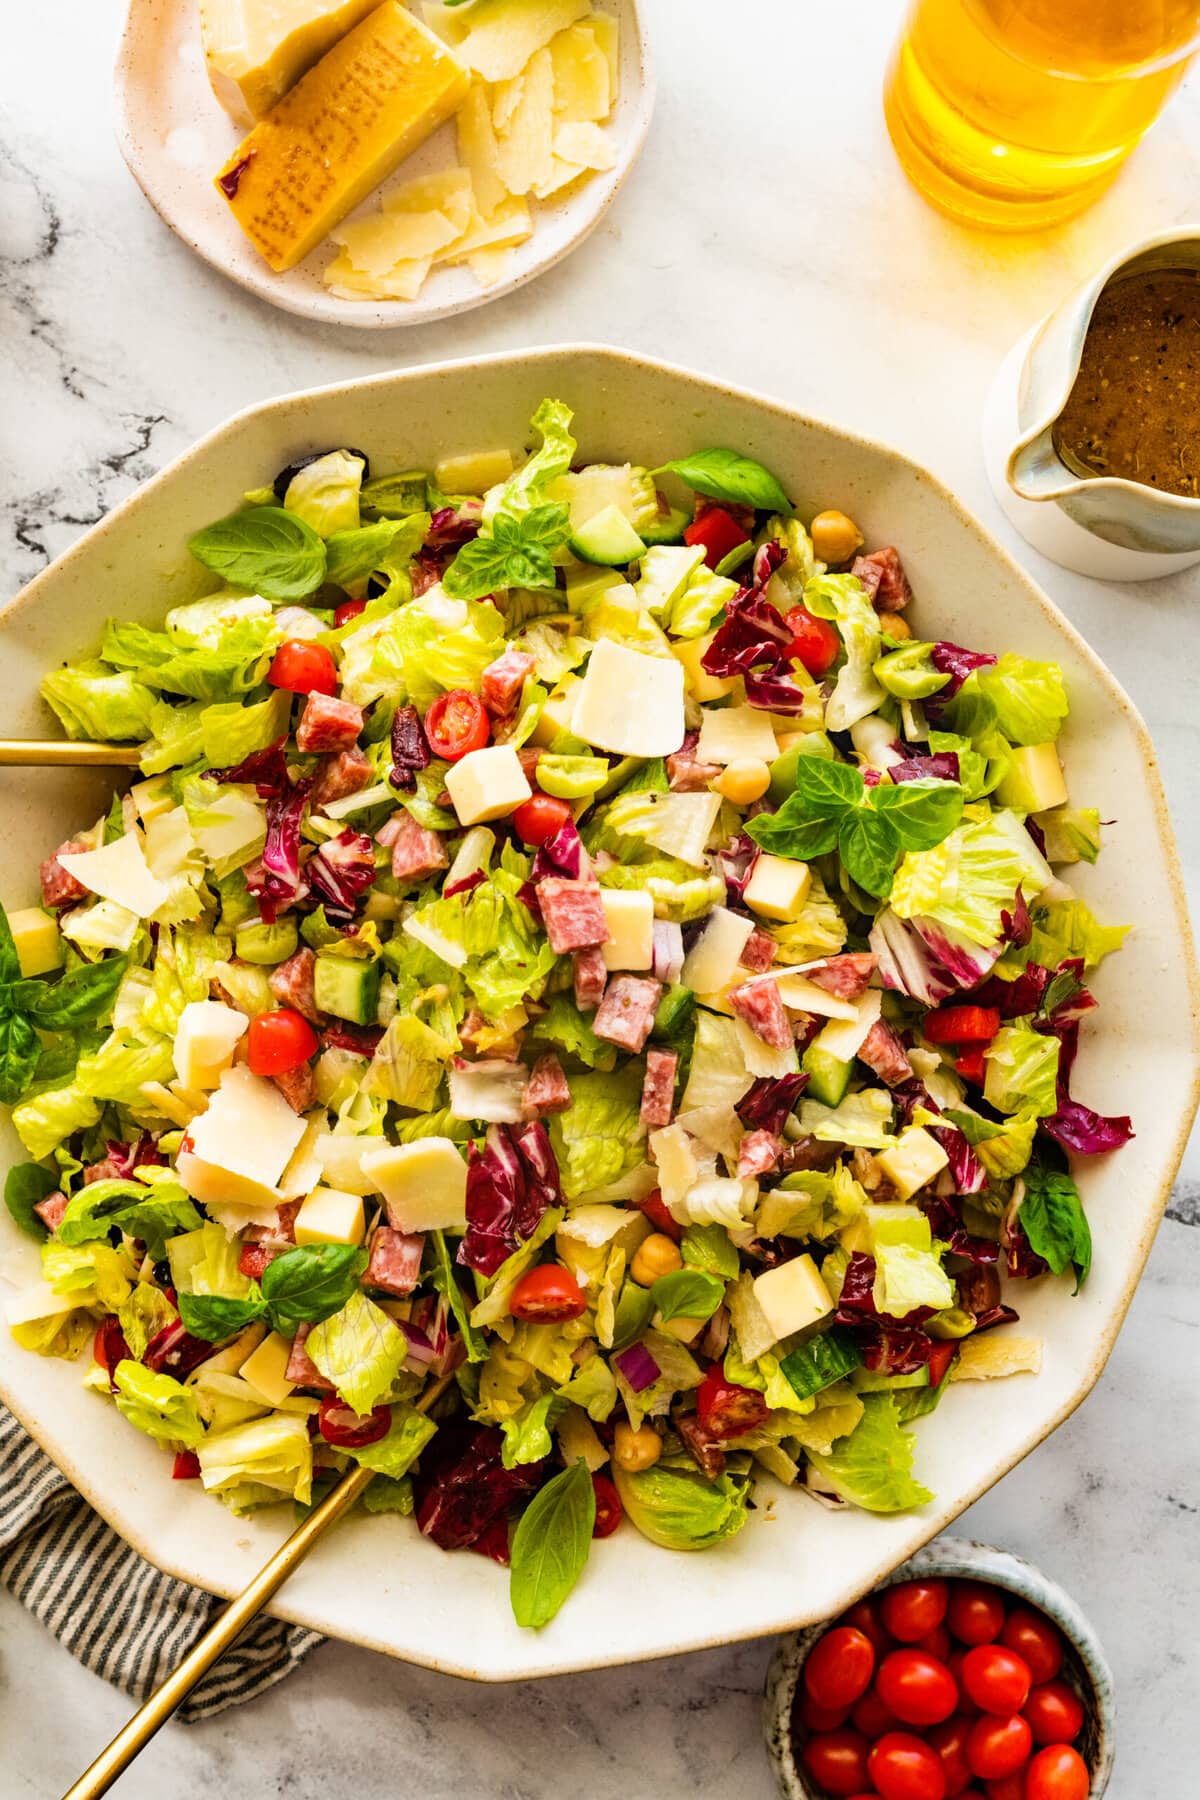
point(575, 938)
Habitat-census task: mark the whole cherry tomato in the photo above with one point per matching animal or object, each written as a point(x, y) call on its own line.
point(456, 724)
point(864, 1616)
point(948, 1741)
point(299, 667)
point(912, 1609)
point(837, 1761)
point(814, 641)
point(903, 1767)
point(1055, 1713)
point(1009, 1787)
point(1035, 1639)
point(340, 1425)
point(872, 1717)
point(919, 1689)
point(726, 1410)
point(975, 1614)
point(997, 1679)
point(819, 1718)
point(349, 609)
point(1057, 1773)
point(278, 1041)
point(998, 1746)
point(547, 1295)
point(839, 1667)
point(609, 1511)
point(936, 1643)
point(539, 819)
point(954, 1662)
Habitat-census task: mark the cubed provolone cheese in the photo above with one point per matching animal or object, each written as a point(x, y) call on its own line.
point(630, 916)
point(205, 1038)
point(487, 784)
point(711, 964)
point(844, 1038)
point(913, 1160)
point(329, 1216)
point(629, 702)
point(473, 473)
point(778, 887)
point(701, 685)
point(248, 1131)
point(37, 939)
point(424, 1184)
point(558, 714)
point(119, 871)
point(266, 1369)
point(152, 798)
point(793, 1296)
point(729, 733)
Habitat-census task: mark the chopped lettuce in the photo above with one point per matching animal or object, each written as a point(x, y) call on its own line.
point(44, 1121)
point(324, 493)
point(1072, 833)
point(593, 1387)
point(863, 1119)
point(676, 1506)
point(907, 1277)
point(527, 1433)
point(360, 1349)
point(1063, 930)
point(92, 1275)
point(1029, 697)
point(408, 1064)
point(532, 484)
point(856, 692)
point(259, 1462)
point(157, 1404)
point(1022, 1070)
point(142, 1315)
point(599, 1137)
point(93, 701)
point(152, 1211)
point(1003, 1149)
point(872, 1467)
point(394, 1454)
point(970, 880)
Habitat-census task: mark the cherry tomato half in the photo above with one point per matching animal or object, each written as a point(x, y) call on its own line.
point(839, 1667)
point(918, 1688)
point(820, 1718)
point(456, 724)
point(948, 1741)
point(941, 1355)
point(609, 1511)
point(814, 641)
point(186, 1466)
point(303, 668)
point(539, 819)
point(997, 1746)
point(911, 1609)
point(278, 1041)
point(655, 1209)
point(718, 532)
point(340, 1425)
point(903, 1767)
point(864, 1616)
point(1057, 1773)
point(961, 1025)
point(1055, 1713)
point(547, 1295)
point(872, 1716)
point(1036, 1640)
point(976, 1612)
point(349, 609)
point(837, 1761)
point(997, 1679)
point(726, 1410)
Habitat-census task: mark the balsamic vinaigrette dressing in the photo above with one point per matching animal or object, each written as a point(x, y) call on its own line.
point(1134, 411)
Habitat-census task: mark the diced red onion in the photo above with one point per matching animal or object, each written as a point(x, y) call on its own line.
point(637, 1366)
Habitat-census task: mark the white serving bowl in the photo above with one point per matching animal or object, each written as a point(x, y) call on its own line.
point(376, 1581)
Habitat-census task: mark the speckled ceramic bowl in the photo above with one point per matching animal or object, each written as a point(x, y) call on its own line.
point(1085, 1668)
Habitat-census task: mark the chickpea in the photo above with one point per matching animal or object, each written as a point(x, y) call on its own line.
point(743, 781)
point(635, 1450)
point(835, 538)
point(655, 1256)
point(895, 626)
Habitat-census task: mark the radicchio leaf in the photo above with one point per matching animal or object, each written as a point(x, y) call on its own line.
point(340, 871)
point(281, 852)
point(953, 660)
point(890, 1346)
point(267, 769)
point(174, 1351)
point(766, 1104)
point(463, 1489)
point(1017, 924)
point(510, 1184)
point(945, 1217)
point(941, 766)
point(737, 861)
point(563, 854)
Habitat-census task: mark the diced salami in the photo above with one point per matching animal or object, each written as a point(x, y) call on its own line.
point(529, 756)
point(345, 772)
point(883, 1052)
point(882, 574)
point(261, 1244)
point(845, 976)
point(760, 1005)
point(572, 913)
point(395, 1261)
point(293, 984)
point(705, 1449)
point(296, 1086)
point(416, 852)
point(59, 886)
point(51, 1209)
point(302, 1371)
point(591, 977)
point(107, 1169)
point(501, 683)
point(758, 952)
point(686, 774)
point(658, 1087)
point(758, 1154)
point(546, 1091)
point(625, 1016)
point(328, 724)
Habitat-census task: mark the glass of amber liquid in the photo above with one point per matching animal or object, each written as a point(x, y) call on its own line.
point(1015, 114)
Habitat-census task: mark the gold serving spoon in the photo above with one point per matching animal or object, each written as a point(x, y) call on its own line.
point(29, 753)
point(134, 1736)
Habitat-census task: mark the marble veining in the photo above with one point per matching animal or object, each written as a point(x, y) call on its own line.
point(767, 236)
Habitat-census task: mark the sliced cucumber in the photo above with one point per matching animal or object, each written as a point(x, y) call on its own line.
point(664, 528)
point(607, 538)
point(828, 1076)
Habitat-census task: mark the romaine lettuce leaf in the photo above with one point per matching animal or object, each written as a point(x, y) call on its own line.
point(872, 1467)
point(856, 692)
point(1003, 1149)
point(681, 1509)
point(599, 1137)
point(45, 1120)
point(1022, 1070)
point(158, 1404)
point(408, 1064)
point(395, 1454)
point(360, 1349)
point(1029, 697)
point(906, 1278)
point(152, 1211)
point(1063, 930)
point(863, 1119)
point(527, 1433)
point(970, 880)
point(324, 493)
point(92, 701)
point(93, 1275)
point(142, 1315)
point(531, 485)
point(592, 1386)
point(262, 1461)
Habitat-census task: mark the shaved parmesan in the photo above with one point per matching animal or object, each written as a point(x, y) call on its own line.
point(562, 174)
point(449, 191)
point(803, 995)
point(582, 82)
point(631, 703)
point(509, 224)
point(712, 961)
point(679, 1168)
point(585, 144)
point(478, 150)
point(506, 97)
point(403, 282)
point(525, 145)
point(729, 733)
point(844, 1039)
point(375, 245)
point(605, 27)
point(765, 1059)
point(505, 34)
point(489, 266)
point(119, 871)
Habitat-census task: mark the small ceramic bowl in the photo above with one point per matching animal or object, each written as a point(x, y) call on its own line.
point(1085, 1668)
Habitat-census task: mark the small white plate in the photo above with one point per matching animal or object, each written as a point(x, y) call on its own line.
point(175, 136)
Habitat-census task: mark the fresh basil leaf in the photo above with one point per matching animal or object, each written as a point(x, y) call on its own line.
point(516, 554)
point(727, 475)
point(79, 998)
point(265, 550)
point(309, 1284)
point(687, 1294)
point(821, 1361)
point(10, 962)
point(215, 1318)
point(827, 788)
point(708, 1247)
point(551, 1544)
point(634, 1311)
point(922, 813)
point(25, 1185)
point(868, 847)
point(441, 1277)
point(152, 1213)
point(789, 832)
point(1053, 1219)
point(20, 1048)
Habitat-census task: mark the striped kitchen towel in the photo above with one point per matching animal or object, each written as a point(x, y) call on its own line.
point(118, 1615)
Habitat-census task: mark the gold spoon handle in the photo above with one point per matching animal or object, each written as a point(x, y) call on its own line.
point(27, 753)
point(134, 1736)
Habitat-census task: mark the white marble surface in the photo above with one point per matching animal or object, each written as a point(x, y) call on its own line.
point(767, 236)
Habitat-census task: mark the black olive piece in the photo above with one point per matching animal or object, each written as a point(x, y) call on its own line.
point(282, 480)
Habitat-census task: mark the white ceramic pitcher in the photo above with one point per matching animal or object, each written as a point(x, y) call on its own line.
point(1101, 525)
